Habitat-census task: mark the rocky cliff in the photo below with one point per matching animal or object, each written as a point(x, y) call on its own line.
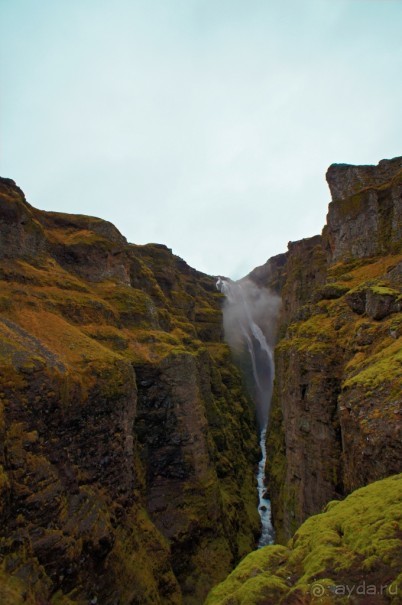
point(336, 420)
point(127, 443)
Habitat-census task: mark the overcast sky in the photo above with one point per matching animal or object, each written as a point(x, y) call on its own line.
point(206, 125)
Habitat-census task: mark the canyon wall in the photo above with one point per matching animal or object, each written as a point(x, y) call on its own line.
point(336, 421)
point(127, 442)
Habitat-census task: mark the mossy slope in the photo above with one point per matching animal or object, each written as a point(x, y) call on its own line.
point(353, 547)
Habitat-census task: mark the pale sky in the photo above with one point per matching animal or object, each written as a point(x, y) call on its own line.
point(206, 125)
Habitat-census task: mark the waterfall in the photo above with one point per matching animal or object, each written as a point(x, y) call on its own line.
point(246, 309)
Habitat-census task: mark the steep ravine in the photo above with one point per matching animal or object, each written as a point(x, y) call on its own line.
point(127, 441)
point(336, 418)
point(250, 316)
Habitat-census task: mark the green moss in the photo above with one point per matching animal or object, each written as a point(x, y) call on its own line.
point(208, 314)
point(352, 206)
point(252, 581)
point(384, 290)
point(306, 345)
point(381, 367)
point(357, 538)
point(140, 556)
point(359, 270)
point(318, 327)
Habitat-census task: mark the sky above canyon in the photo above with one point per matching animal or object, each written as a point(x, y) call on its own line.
point(206, 125)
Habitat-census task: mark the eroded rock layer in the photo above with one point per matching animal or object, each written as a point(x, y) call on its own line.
point(127, 443)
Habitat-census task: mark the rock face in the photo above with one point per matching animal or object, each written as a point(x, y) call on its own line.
point(336, 421)
point(127, 442)
point(350, 553)
point(344, 180)
point(365, 215)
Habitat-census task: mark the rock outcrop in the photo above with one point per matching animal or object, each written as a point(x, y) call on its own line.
point(336, 421)
point(365, 215)
point(127, 442)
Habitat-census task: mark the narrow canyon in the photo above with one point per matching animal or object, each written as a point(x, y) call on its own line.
point(153, 417)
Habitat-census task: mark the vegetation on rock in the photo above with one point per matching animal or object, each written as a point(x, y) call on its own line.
point(352, 552)
point(128, 444)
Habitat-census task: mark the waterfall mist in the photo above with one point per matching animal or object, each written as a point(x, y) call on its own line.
point(250, 317)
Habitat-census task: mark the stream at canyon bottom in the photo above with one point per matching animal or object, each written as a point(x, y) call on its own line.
point(264, 504)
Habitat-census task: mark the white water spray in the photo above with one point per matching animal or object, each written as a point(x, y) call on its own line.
point(246, 309)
